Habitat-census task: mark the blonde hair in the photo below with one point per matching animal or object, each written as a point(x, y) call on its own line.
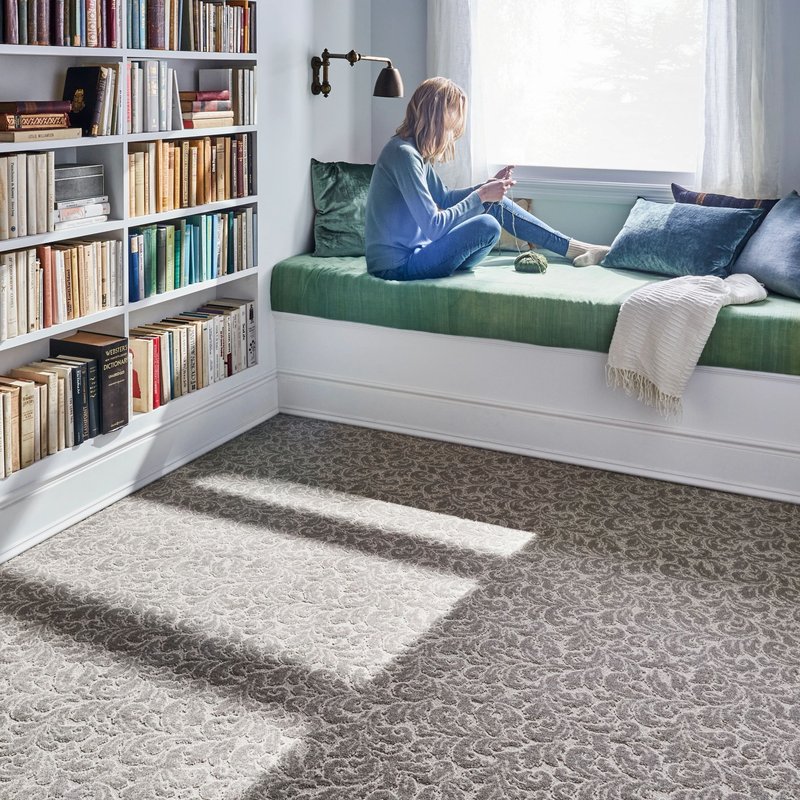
point(435, 118)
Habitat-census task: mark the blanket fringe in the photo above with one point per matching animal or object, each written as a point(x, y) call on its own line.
point(644, 390)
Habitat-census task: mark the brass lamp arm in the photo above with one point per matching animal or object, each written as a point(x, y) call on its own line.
point(323, 61)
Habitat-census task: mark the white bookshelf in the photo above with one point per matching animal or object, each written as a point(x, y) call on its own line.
point(59, 490)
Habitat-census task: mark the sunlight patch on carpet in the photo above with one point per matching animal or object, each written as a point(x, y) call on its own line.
point(378, 515)
point(284, 596)
point(78, 721)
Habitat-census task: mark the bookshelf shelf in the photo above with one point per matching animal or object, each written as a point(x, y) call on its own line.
point(178, 213)
point(189, 55)
point(191, 133)
point(194, 288)
point(50, 51)
point(79, 232)
point(60, 144)
point(60, 489)
point(58, 330)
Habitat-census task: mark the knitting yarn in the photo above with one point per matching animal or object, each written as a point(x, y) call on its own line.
point(530, 262)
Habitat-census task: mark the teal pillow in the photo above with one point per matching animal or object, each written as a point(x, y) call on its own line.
point(340, 200)
point(678, 239)
point(772, 256)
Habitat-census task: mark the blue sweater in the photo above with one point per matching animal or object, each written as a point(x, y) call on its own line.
point(408, 206)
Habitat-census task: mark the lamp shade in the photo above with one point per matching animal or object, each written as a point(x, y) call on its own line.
point(389, 83)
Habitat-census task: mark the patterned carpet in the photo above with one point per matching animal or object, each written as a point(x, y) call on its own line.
point(320, 611)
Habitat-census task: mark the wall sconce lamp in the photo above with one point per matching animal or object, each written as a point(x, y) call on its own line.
point(389, 83)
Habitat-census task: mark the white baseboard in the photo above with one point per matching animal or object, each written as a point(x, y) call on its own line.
point(736, 434)
point(67, 487)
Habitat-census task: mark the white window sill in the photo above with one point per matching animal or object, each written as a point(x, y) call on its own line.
point(595, 186)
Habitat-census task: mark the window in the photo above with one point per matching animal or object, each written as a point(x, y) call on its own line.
point(614, 86)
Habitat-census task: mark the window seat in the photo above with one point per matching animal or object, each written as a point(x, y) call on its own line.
point(516, 361)
point(564, 307)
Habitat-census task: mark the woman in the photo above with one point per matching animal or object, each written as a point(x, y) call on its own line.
point(416, 227)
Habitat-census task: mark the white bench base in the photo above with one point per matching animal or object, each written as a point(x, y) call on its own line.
point(739, 431)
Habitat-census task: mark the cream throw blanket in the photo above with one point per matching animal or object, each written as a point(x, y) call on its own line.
point(661, 331)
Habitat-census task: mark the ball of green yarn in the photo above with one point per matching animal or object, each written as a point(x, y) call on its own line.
point(530, 262)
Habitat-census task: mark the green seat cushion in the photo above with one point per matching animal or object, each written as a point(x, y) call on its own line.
point(563, 307)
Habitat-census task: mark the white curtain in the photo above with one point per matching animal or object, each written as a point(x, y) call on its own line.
point(743, 128)
point(451, 55)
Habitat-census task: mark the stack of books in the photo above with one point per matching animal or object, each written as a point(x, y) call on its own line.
point(79, 196)
point(190, 351)
point(240, 83)
point(207, 109)
point(35, 121)
point(80, 391)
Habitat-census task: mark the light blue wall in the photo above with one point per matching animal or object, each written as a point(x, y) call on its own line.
point(399, 31)
point(791, 102)
point(297, 125)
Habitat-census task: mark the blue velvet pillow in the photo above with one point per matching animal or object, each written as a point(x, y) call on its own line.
point(340, 201)
point(772, 256)
point(683, 195)
point(678, 239)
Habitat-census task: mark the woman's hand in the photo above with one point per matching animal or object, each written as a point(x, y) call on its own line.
point(494, 189)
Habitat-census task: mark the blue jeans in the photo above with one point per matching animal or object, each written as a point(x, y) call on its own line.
point(469, 242)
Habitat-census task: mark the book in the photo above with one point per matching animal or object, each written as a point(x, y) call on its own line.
point(83, 88)
point(92, 388)
point(81, 211)
point(79, 223)
point(79, 390)
point(156, 30)
point(111, 355)
point(11, 428)
point(217, 122)
point(43, 212)
point(216, 94)
point(35, 107)
point(5, 466)
point(4, 198)
point(12, 196)
point(78, 202)
point(161, 362)
point(189, 106)
point(141, 352)
point(11, 21)
point(38, 121)
point(47, 134)
point(28, 424)
point(196, 115)
point(177, 119)
point(22, 194)
point(49, 380)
